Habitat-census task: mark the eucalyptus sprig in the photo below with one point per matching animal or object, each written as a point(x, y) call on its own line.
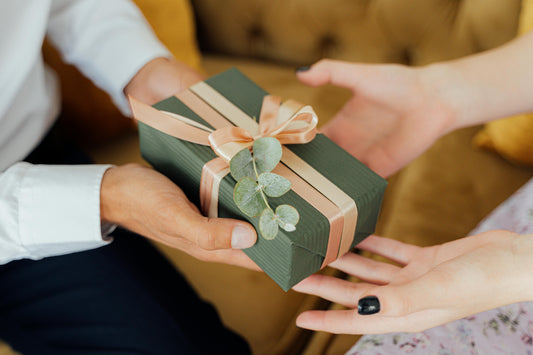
point(255, 182)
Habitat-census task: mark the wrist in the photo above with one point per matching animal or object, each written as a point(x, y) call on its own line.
point(447, 86)
point(521, 248)
point(110, 199)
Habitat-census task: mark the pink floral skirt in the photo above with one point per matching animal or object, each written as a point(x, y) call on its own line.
point(505, 330)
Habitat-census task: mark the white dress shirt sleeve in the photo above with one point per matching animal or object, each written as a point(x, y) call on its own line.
point(109, 41)
point(50, 210)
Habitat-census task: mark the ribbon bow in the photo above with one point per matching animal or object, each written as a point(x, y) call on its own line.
point(274, 121)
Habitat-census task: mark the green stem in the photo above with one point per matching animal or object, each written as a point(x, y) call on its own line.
point(261, 190)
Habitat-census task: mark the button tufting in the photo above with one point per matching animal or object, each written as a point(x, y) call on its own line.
point(327, 45)
point(256, 32)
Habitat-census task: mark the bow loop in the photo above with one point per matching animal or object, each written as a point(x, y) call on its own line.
point(289, 122)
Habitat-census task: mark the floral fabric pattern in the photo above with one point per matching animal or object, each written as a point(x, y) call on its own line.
point(505, 330)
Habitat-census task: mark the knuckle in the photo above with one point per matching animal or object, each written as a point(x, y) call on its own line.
point(205, 238)
point(134, 166)
point(443, 277)
point(403, 306)
point(323, 63)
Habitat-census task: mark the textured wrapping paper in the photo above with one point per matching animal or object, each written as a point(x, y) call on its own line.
point(291, 256)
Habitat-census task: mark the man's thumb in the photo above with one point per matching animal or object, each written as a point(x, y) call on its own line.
point(221, 233)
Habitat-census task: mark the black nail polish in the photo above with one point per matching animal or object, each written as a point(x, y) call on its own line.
point(302, 69)
point(368, 305)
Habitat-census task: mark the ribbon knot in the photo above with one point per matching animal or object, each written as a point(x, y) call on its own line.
point(290, 123)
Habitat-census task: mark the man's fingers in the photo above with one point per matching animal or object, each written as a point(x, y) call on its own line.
point(165, 211)
point(225, 256)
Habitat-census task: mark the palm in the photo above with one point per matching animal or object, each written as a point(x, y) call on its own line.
point(433, 285)
point(391, 118)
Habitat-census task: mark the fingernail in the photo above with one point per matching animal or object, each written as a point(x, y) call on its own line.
point(368, 305)
point(302, 69)
point(301, 320)
point(242, 237)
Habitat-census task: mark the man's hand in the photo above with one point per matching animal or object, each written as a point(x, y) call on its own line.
point(395, 113)
point(146, 202)
point(159, 79)
point(432, 286)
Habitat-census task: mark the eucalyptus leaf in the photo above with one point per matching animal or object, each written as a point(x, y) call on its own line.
point(274, 185)
point(242, 165)
point(248, 197)
point(267, 154)
point(268, 224)
point(287, 217)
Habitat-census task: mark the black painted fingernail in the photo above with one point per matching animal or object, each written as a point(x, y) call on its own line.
point(302, 69)
point(368, 305)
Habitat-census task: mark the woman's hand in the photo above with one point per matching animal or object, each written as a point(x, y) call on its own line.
point(146, 202)
point(395, 113)
point(432, 286)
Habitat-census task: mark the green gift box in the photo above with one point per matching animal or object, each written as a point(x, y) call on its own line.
point(291, 256)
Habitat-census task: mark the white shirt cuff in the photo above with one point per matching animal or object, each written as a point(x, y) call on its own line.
point(59, 209)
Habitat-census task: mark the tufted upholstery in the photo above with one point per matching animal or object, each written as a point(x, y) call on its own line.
point(302, 31)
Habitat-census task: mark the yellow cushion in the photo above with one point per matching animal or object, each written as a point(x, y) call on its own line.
point(173, 22)
point(88, 113)
point(512, 137)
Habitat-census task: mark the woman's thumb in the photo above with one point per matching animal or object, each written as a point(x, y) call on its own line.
point(328, 71)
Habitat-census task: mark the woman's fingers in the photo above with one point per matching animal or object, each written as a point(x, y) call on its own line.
point(439, 284)
point(350, 322)
point(366, 269)
point(394, 250)
point(333, 289)
point(389, 301)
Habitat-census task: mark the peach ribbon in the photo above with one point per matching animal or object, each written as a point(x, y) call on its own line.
point(228, 141)
point(299, 128)
point(289, 122)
